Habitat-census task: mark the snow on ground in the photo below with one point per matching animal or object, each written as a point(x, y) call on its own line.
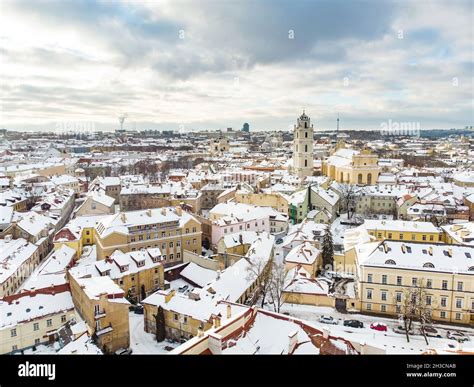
point(393, 343)
point(142, 342)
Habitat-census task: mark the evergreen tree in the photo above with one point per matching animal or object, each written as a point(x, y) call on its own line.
point(328, 249)
point(160, 324)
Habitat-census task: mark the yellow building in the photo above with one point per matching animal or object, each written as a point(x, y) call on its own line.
point(138, 273)
point(102, 305)
point(184, 315)
point(401, 230)
point(351, 166)
point(32, 318)
point(386, 269)
point(274, 199)
point(172, 230)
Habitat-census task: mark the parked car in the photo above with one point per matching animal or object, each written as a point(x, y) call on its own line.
point(378, 326)
point(327, 320)
point(138, 309)
point(123, 351)
point(354, 323)
point(432, 332)
point(457, 335)
point(401, 329)
point(279, 241)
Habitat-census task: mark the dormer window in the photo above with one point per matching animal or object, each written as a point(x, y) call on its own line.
point(123, 268)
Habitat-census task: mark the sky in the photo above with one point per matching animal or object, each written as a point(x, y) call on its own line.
point(196, 65)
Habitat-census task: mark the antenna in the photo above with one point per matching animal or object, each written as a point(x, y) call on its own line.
point(337, 126)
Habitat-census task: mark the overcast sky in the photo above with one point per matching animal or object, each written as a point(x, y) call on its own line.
point(215, 64)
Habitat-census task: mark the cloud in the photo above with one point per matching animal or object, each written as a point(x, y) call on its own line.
point(216, 64)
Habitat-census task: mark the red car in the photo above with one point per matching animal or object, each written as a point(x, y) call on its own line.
point(378, 326)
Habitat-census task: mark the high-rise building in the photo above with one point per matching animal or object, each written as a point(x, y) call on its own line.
point(246, 128)
point(303, 147)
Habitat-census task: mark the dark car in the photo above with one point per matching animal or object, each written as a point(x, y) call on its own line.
point(353, 323)
point(139, 309)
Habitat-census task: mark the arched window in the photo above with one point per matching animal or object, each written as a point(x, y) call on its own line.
point(359, 178)
point(428, 264)
point(369, 179)
point(306, 148)
point(390, 262)
point(305, 162)
point(297, 147)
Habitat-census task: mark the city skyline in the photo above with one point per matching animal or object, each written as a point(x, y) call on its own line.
point(256, 62)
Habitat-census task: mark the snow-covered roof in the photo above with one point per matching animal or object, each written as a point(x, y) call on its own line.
point(94, 287)
point(400, 226)
point(52, 271)
point(198, 275)
point(417, 256)
point(27, 307)
point(13, 254)
point(305, 253)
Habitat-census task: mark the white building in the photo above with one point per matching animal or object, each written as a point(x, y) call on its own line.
point(303, 147)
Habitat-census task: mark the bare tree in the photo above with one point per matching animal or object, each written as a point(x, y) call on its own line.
point(277, 285)
point(261, 271)
point(349, 194)
point(416, 307)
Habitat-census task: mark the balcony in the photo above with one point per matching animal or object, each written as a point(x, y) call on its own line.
point(99, 314)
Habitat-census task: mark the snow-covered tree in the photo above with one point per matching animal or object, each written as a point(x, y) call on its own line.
point(328, 249)
point(160, 324)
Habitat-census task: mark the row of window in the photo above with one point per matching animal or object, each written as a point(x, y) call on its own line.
point(442, 314)
point(36, 325)
point(414, 282)
point(429, 298)
point(231, 229)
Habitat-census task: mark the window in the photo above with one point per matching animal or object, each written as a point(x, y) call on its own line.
point(383, 308)
point(185, 319)
point(459, 303)
point(63, 318)
point(399, 280)
point(458, 316)
point(445, 285)
point(428, 300)
point(429, 283)
point(384, 279)
point(36, 326)
point(369, 294)
point(49, 322)
point(384, 295)
point(444, 302)
point(13, 333)
point(442, 314)
point(414, 281)
point(37, 341)
point(401, 236)
point(175, 317)
point(369, 306)
point(398, 297)
point(194, 241)
point(369, 277)
point(460, 286)
point(14, 347)
point(398, 309)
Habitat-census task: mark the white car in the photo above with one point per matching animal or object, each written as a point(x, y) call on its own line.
point(327, 320)
point(456, 335)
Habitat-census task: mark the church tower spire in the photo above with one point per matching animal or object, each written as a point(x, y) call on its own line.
point(303, 146)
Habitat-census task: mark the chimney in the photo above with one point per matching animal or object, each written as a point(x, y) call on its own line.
point(179, 211)
point(229, 311)
point(292, 341)
point(217, 322)
point(163, 211)
point(123, 217)
point(218, 274)
point(200, 332)
point(430, 250)
point(326, 333)
point(148, 212)
point(215, 343)
point(169, 295)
